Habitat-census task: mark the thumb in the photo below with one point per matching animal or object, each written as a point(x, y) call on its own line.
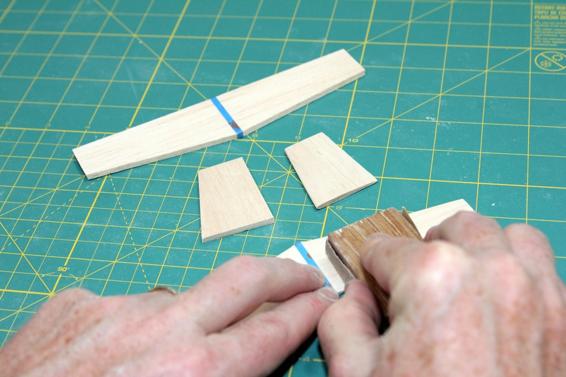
point(348, 333)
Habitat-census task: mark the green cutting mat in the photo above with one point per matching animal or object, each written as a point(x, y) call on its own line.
point(462, 99)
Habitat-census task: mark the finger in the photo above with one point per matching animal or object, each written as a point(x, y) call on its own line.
point(532, 248)
point(535, 254)
point(45, 329)
point(348, 332)
point(242, 285)
point(416, 274)
point(383, 257)
point(261, 342)
point(471, 231)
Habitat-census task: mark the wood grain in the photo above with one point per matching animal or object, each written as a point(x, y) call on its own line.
point(251, 106)
point(346, 244)
point(326, 171)
point(230, 201)
point(335, 270)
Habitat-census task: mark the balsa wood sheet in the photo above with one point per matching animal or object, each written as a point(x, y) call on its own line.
point(230, 201)
point(326, 171)
point(235, 114)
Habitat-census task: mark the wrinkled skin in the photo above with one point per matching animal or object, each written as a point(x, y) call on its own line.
point(473, 300)
point(215, 329)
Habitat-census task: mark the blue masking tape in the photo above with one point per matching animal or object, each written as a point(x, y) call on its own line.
point(228, 117)
point(306, 256)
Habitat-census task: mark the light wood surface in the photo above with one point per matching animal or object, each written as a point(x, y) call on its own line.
point(327, 172)
point(230, 201)
point(346, 244)
point(429, 217)
point(251, 106)
point(332, 268)
point(317, 251)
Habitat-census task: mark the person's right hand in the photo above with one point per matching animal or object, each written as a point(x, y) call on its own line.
point(471, 300)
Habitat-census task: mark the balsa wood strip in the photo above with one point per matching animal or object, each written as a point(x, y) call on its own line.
point(192, 128)
point(333, 268)
point(251, 107)
point(327, 172)
point(317, 251)
point(230, 201)
point(263, 101)
point(429, 217)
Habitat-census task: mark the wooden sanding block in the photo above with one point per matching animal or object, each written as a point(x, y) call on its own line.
point(343, 246)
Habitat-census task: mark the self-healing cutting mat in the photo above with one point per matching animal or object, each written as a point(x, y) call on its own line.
point(460, 99)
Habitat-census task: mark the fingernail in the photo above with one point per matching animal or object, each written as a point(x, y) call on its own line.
point(328, 294)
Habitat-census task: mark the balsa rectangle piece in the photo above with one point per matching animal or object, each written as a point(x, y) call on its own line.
point(210, 122)
point(230, 201)
point(327, 172)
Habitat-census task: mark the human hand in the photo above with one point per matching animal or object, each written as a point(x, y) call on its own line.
point(473, 300)
point(213, 329)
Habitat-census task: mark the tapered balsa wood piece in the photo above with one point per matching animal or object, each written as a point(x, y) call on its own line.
point(326, 171)
point(230, 201)
point(429, 217)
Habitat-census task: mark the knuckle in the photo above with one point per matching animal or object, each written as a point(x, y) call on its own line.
point(466, 217)
point(440, 256)
point(70, 298)
point(472, 219)
point(297, 269)
point(255, 270)
point(74, 294)
point(439, 264)
point(526, 231)
point(519, 228)
point(284, 262)
point(246, 263)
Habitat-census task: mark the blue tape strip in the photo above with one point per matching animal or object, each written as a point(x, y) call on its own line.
point(228, 117)
point(306, 256)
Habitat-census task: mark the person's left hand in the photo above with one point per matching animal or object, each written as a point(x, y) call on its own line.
point(214, 329)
